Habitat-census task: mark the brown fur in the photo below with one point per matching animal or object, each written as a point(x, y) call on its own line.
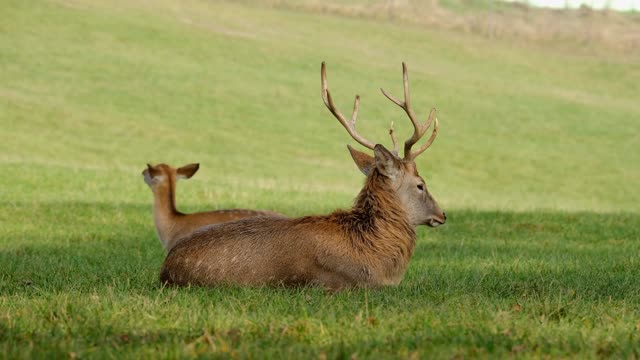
point(369, 245)
point(173, 225)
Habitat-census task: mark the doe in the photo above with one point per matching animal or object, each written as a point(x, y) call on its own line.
point(172, 225)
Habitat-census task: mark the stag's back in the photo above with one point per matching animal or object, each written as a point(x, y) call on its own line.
point(251, 251)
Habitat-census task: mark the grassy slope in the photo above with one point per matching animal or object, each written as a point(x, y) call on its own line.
point(537, 162)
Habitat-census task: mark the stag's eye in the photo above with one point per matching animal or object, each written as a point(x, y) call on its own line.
point(421, 187)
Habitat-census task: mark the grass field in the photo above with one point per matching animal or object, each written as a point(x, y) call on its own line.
point(537, 165)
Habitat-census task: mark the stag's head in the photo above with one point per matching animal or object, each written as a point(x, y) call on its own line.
point(163, 175)
point(401, 173)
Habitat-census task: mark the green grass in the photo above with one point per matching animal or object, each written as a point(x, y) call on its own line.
point(537, 165)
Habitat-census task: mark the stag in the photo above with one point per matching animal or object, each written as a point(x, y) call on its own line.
point(172, 225)
point(369, 245)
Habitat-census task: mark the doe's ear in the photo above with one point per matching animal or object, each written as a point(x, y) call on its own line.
point(151, 171)
point(386, 162)
point(366, 163)
point(187, 171)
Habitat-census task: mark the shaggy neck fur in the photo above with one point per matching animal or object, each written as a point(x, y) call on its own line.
point(378, 220)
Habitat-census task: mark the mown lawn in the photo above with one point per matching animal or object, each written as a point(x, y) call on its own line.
point(537, 164)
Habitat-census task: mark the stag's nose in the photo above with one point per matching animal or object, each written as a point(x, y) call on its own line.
point(444, 215)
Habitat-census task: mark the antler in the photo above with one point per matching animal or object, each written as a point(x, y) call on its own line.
point(419, 130)
point(349, 125)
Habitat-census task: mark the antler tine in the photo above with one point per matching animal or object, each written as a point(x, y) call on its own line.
point(424, 147)
point(350, 126)
point(394, 139)
point(418, 130)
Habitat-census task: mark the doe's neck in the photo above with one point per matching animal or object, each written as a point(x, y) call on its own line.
point(165, 214)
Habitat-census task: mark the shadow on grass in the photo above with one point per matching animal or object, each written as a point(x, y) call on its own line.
point(82, 247)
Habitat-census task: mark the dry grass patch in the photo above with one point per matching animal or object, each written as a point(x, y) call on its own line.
point(584, 27)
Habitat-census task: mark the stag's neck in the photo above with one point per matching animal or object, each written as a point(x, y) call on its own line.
point(165, 214)
point(377, 215)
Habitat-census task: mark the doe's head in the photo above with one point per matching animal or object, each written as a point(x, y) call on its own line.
point(163, 174)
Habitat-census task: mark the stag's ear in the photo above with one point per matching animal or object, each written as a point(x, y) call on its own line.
point(386, 162)
point(187, 171)
point(366, 163)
